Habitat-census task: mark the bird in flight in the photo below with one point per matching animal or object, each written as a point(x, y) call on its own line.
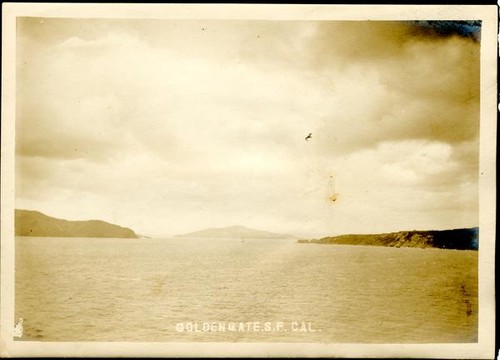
point(308, 136)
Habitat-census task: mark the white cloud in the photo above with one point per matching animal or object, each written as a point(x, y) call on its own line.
point(163, 137)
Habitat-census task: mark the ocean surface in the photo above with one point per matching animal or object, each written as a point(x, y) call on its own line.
point(165, 290)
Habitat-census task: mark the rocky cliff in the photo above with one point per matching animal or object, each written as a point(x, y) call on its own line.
point(461, 239)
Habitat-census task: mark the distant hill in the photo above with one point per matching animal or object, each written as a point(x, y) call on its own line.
point(236, 232)
point(460, 239)
point(34, 223)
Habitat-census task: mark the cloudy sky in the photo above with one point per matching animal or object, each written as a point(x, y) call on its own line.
point(170, 126)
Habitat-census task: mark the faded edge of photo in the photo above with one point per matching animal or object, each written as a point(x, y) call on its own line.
point(484, 348)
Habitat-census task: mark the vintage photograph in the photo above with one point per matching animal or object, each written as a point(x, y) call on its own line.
point(215, 180)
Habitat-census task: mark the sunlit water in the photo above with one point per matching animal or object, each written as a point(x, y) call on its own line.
point(150, 289)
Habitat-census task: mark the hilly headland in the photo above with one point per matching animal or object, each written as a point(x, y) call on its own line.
point(35, 223)
point(459, 239)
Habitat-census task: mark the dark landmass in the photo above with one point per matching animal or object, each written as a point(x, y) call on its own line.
point(459, 239)
point(34, 223)
point(236, 232)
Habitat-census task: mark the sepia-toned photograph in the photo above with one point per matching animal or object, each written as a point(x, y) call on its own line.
point(248, 180)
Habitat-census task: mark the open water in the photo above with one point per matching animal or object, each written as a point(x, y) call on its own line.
point(79, 289)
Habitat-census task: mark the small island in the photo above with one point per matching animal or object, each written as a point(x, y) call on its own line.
point(458, 239)
point(236, 232)
point(35, 223)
